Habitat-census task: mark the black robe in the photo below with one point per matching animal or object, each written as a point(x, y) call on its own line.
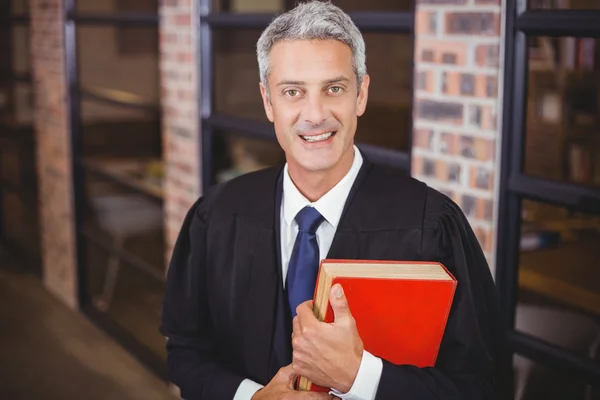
point(224, 281)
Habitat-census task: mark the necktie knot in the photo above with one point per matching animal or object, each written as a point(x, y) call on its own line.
point(309, 219)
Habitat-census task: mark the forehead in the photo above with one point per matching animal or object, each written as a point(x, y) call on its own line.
point(310, 59)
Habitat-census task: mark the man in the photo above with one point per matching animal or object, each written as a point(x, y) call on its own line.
point(237, 310)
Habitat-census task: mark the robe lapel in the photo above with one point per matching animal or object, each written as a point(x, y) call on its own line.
point(260, 307)
point(282, 346)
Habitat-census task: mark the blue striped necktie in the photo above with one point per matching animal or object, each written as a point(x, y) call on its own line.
point(304, 261)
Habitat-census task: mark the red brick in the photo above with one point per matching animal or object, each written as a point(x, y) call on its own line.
point(440, 111)
point(441, 170)
point(482, 116)
point(444, 51)
point(426, 22)
point(53, 151)
point(422, 138)
point(484, 149)
point(487, 55)
point(481, 177)
point(442, 2)
point(447, 171)
point(485, 238)
point(449, 144)
point(489, 87)
point(182, 20)
point(416, 165)
point(473, 23)
point(425, 80)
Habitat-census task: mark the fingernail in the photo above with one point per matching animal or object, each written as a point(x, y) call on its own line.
point(338, 292)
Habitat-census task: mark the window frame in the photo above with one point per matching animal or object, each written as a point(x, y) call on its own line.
point(515, 185)
point(84, 237)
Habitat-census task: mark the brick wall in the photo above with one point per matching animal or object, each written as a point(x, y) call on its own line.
point(54, 152)
point(181, 130)
point(456, 105)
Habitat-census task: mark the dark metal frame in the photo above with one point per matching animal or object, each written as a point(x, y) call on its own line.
point(515, 185)
point(396, 22)
point(76, 94)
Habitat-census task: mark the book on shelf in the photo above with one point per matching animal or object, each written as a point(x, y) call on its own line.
point(400, 307)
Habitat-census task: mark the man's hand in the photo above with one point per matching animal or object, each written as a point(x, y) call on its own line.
point(281, 387)
point(328, 355)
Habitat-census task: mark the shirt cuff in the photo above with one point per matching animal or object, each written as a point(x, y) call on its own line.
point(247, 389)
point(367, 379)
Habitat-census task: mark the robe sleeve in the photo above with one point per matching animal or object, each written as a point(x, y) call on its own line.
point(473, 341)
point(192, 362)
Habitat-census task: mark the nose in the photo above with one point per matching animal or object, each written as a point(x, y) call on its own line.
point(315, 112)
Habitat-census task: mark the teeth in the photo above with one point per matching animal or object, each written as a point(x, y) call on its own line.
point(318, 138)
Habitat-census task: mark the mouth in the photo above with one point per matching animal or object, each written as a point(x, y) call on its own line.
point(318, 138)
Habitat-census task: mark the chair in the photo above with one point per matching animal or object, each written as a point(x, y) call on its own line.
point(574, 332)
point(122, 217)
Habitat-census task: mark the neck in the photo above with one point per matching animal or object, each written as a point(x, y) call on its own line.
point(315, 184)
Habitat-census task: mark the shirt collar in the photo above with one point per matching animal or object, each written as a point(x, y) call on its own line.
point(331, 205)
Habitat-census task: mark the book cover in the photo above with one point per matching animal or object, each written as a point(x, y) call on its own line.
point(401, 308)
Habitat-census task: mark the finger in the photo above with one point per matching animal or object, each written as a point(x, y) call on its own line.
point(305, 314)
point(339, 304)
point(296, 326)
point(286, 374)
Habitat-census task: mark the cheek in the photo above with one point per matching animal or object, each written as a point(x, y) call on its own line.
point(285, 117)
point(345, 112)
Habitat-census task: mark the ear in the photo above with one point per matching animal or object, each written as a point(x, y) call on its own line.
point(363, 95)
point(266, 102)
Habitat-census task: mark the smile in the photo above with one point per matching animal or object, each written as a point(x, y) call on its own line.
point(318, 138)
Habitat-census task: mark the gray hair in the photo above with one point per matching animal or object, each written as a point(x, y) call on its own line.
point(313, 20)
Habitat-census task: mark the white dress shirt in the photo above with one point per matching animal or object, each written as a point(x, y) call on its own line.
point(330, 206)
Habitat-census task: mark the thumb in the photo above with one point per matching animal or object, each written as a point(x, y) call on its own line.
point(287, 375)
point(339, 303)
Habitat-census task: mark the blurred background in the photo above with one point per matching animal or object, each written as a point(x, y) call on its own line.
point(115, 115)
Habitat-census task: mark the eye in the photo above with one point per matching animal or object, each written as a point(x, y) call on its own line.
point(335, 89)
point(291, 92)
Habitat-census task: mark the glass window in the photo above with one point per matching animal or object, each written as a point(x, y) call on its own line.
point(558, 269)
point(21, 59)
point(387, 120)
point(277, 6)
point(248, 6)
point(565, 4)
point(116, 131)
point(236, 154)
point(563, 110)
point(20, 6)
point(23, 103)
point(123, 212)
point(132, 299)
point(534, 381)
point(16, 103)
point(106, 60)
point(114, 6)
point(19, 192)
point(236, 77)
point(379, 5)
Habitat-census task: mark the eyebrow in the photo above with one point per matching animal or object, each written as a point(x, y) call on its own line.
point(337, 79)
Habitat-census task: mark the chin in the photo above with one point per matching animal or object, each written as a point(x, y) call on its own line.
point(318, 166)
point(316, 163)
point(317, 159)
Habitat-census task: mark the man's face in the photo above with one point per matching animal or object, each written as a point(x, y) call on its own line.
point(314, 102)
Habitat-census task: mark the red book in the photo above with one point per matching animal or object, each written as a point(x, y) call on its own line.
point(400, 307)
